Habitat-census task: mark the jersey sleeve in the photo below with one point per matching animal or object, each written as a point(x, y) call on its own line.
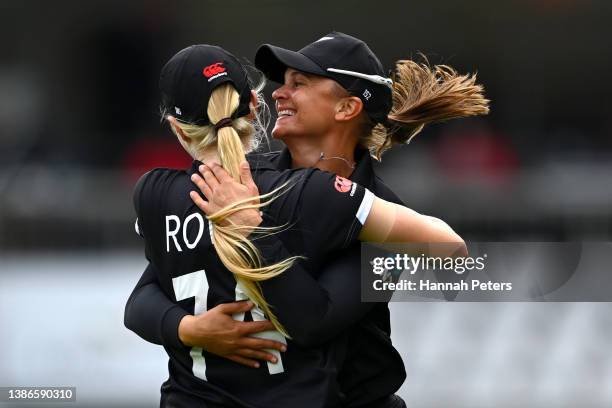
point(333, 300)
point(139, 191)
point(333, 209)
point(151, 314)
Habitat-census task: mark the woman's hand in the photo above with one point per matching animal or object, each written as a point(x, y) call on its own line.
point(217, 332)
point(221, 190)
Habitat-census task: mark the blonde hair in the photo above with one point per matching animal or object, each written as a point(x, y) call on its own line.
point(422, 95)
point(236, 252)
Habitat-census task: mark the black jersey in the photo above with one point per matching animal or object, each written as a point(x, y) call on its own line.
point(372, 368)
point(322, 212)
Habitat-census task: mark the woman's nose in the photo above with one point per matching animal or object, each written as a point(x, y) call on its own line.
point(280, 92)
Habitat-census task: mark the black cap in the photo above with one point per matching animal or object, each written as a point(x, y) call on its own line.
point(345, 59)
point(188, 79)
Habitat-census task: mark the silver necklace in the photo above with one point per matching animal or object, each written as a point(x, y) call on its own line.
point(322, 157)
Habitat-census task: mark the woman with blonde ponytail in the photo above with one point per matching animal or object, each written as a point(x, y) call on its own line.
point(224, 140)
point(320, 213)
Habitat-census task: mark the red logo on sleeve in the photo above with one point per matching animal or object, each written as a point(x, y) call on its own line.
point(343, 185)
point(213, 69)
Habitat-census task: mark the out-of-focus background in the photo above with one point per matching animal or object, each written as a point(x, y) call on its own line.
point(79, 123)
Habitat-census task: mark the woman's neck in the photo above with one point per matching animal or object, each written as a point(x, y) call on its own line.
point(209, 156)
point(331, 154)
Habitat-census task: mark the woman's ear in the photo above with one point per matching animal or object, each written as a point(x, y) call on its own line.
point(253, 105)
point(348, 108)
point(176, 129)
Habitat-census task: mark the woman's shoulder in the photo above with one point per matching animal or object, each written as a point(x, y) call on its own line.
point(159, 181)
point(268, 179)
point(162, 174)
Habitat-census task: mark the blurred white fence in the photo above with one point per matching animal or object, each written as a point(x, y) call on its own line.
point(61, 320)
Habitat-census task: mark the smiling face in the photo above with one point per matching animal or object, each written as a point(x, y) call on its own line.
point(306, 105)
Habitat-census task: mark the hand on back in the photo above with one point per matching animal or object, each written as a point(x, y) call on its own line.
point(222, 191)
point(217, 332)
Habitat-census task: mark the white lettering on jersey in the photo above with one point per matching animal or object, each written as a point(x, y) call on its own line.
point(200, 230)
point(173, 233)
point(136, 227)
point(210, 231)
point(258, 315)
point(194, 284)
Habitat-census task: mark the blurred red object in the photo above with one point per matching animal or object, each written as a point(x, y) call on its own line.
point(476, 153)
point(148, 153)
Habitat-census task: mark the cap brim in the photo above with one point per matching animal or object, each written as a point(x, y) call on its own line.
point(273, 62)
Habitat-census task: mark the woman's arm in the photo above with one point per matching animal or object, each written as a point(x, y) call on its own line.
point(155, 318)
point(389, 222)
point(383, 221)
point(315, 311)
point(151, 314)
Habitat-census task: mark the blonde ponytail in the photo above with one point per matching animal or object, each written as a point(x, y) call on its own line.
point(424, 95)
point(236, 252)
point(223, 102)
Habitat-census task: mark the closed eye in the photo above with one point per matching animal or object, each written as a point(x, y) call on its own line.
point(299, 80)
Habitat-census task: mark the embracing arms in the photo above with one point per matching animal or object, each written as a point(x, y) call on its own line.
point(154, 317)
point(384, 221)
point(315, 310)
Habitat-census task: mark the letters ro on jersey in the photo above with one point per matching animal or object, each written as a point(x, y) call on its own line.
point(173, 226)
